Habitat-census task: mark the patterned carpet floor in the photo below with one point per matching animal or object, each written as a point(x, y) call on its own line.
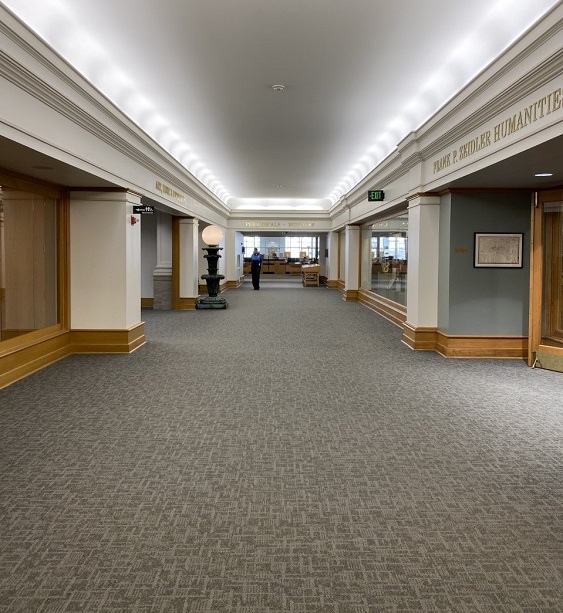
point(287, 454)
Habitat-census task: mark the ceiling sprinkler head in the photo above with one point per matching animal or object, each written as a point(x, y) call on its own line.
point(278, 88)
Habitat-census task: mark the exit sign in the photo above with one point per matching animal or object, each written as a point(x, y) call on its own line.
point(376, 195)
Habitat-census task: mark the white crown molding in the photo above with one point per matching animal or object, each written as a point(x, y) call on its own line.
point(411, 151)
point(525, 85)
point(127, 138)
point(282, 215)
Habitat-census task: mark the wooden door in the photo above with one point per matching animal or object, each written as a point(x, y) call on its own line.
point(546, 282)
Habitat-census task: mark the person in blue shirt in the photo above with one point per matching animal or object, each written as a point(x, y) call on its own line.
point(255, 267)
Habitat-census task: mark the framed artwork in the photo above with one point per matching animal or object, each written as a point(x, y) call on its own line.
point(498, 250)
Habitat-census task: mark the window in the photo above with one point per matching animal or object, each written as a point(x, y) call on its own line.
point(28, 262)
point(385, 258)
point(294, 245)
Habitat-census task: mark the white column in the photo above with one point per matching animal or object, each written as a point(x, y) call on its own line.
point(188, 266)
point(233, 256)
point(105, 261)
point(332, 270)
point(163, 244)
point(423, 262)
point(162, 274)
point(352, 260)
point(323, 260)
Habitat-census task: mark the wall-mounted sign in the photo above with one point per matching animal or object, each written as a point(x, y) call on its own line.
point(144, 209)
point(168, 191)
point(280, 224)
point(376, 195)
point(521, 118)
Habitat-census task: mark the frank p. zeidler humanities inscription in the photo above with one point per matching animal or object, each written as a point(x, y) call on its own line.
point(525, 117)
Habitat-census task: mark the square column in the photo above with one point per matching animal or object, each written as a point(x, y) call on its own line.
point(332, 262)
point(233, 257)
point(423, 264)
point(162, 274)
point(352, 263)
point(105, 271)
point(185, 264)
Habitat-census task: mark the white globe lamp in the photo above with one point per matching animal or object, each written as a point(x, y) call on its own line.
point(212, 235)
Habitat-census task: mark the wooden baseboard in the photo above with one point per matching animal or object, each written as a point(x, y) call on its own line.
point(202, 288)
point(394, 312)
point(233, 284)
point(451, 346)
point(35, 352)
point(19, 362)
point(107, 341)
point(419, 339)
point(147, 303)
point(458, 346)
point(186, 304)
point(351, 295)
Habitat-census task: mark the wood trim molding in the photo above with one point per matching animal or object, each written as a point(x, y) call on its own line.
point(233, 284)
point(419, 339)
point(185, 304)
point(351, 295)
point(452, 346)
point(17, 362)
point(147, 303)
point(341, 286)
point(202, 287)
point(392, 311)
point(24, 360)
point(107, 341)
point(332, 283)
point(94, 114)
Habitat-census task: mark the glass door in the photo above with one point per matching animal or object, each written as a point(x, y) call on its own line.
point(546, 296)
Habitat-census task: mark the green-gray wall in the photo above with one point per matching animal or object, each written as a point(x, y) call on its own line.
point(482, 301)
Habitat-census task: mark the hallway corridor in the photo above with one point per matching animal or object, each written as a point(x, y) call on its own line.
point(287, 454)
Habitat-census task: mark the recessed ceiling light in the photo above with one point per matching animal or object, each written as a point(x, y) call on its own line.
point(544, 174)
point(278, 88)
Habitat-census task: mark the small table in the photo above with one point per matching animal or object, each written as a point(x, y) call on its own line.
point(311, 274)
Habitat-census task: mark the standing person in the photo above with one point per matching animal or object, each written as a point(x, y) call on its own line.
point(255, 266)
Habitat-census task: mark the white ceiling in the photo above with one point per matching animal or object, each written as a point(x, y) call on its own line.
point(359, 75)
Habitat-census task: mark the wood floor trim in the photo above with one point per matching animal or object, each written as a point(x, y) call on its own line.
point(108, 341)
point(186, 304)
point(420, 339)
point(394, 312)
point(25, 360)
point(458, 346)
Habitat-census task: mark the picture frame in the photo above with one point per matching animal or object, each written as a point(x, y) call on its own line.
point(498, 250)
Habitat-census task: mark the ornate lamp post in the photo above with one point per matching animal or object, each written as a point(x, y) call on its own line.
point(212, 236)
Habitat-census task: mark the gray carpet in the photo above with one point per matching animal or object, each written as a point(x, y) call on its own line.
point(285, 454)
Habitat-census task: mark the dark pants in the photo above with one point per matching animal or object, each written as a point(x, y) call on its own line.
point(255, 271)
